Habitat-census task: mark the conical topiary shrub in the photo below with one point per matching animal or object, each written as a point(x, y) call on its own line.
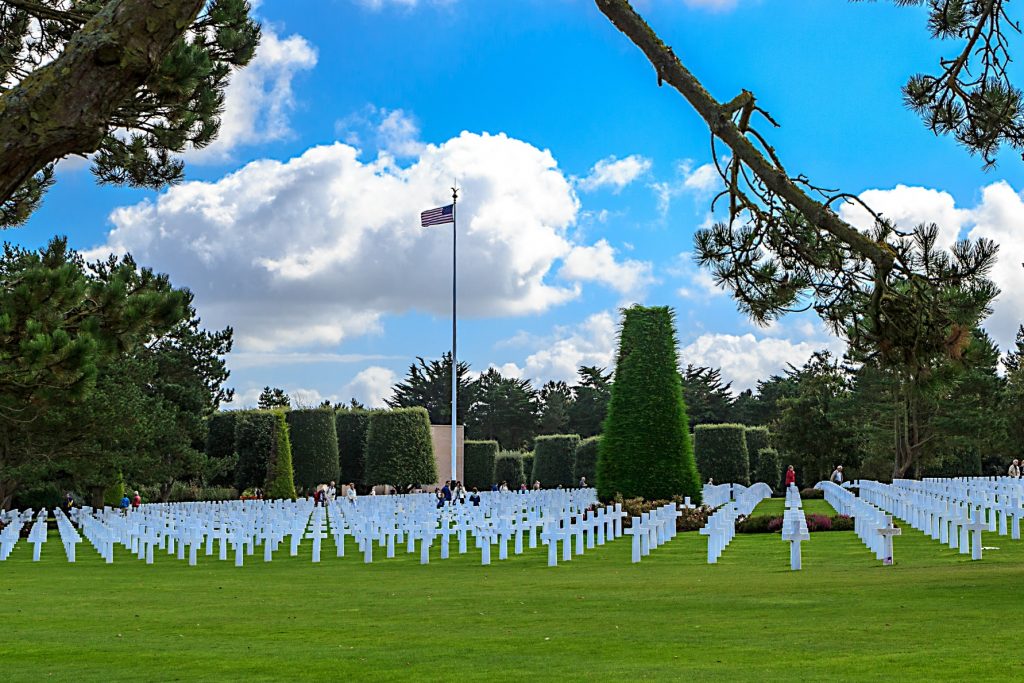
point(645, 449)
point(280, 476)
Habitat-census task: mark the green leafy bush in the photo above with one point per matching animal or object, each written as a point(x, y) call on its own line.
point(508, 468)
point(768, 469)
point(553, 458)
point(314, 441)
point(280, 470)
point(586, 460)
point(812, 493)
point(255, 441)
point(722, 453)
point(645, 449)
point(399, 450)
point(115, 492)
point(351, 427)
point(478, 463)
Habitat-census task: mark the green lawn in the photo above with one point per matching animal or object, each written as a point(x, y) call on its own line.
point(777, 506)
point(933, 615)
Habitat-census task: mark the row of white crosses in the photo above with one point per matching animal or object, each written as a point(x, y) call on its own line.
point(69, 536)
point(504, 522)
point(11, 533)
point(794, 526)
point(655, 528)
point(550, 517)
point(721, 525)
point(872, 525)
point(951, 511)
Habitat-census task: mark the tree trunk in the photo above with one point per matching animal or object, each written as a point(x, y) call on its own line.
point(65, 107)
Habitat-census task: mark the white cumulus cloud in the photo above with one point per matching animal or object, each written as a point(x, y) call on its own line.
point(313, 250)
point(371, 386)
point(259, 97)
point(614, 173)
point(745, 359)
point(909, 207)
point(999, 216)
point(558, 356)
point(597, 263)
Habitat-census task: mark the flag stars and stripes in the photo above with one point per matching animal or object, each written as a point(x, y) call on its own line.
point(438, 216)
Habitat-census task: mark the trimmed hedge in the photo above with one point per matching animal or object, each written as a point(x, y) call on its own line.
point(280, 473)
point(314, 441)
point(399, 451)
point(478, 463)
point(508, 468)
point(645, 450)
point(722, 453)
point(220, 444)
point(757, 438)
point(254, 442)
point(554, 456)
point(768, 469)
point(586, 461)
point(351, 427)
point(528, 460)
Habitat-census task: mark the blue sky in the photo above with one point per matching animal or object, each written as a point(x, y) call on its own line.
point(583, 182)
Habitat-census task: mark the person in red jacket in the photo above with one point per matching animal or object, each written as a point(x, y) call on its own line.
point(790, 477)
point(136, 501)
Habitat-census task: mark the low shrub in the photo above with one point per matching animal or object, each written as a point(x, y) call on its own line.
point(812, 493)
point(818, 523)
point(842, 523)
point(772, 524)
point(755, 524)
point(692, 519)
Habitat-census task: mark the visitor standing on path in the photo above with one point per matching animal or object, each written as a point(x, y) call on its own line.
point(136, 501)
point(332, 492)
point(837, 476)
point(1014, 471)
point(351, 493)
point(583, 482)
point(790, 477)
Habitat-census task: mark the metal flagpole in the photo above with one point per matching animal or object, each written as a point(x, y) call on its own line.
point(455, 361)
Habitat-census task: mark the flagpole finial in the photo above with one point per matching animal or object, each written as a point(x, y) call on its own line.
point(455, 192)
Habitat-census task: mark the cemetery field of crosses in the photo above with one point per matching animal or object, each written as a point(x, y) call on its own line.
point(527, 575)
point(449, 340)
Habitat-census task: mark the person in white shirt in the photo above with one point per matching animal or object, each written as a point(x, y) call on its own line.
point(351, 493)
point(332, 492)
point(837, 476)
point(1014, 470)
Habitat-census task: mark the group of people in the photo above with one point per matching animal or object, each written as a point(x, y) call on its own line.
point(454, 492)
point(326, 493)
point(134, 502)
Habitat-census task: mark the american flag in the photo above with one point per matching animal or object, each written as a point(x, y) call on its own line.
point(438, 216)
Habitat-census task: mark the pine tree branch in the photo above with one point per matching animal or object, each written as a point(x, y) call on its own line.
point(65, 107)
point(718, 116)
point(70, 17)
